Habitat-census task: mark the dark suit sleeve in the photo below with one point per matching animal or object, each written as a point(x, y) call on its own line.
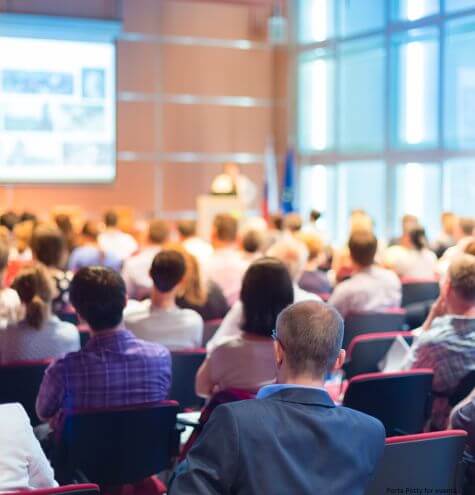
point(211, 465)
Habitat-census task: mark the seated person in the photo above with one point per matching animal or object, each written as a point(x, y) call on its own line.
point(10, 304)
point(291, 438)
point(88, 253)
point(447, 341)
point(252, 242)
point(370, 288)
point(136, 268)
point(23, 464)
point(199, 248)
point(245, 361)
point(159, 319)
point(114, 369)
point(115, 241)
point(313, 279)
point(40, 334)
point(49, 247)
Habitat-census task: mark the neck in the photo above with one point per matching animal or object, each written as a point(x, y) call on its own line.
point(302, 380)
point(218, 244)
point(461, 309)
point(108, 330)
point(312, 265)
point(360, 268)
point(163, 300)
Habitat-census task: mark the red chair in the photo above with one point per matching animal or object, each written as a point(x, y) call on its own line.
point(425, 463)
point(82, 489)
point(20, 382)
point(118, 446)
point(358, 323)
point(366, 351)
point(209, 330)
point(185, 365)
point(402, 401)
point(419, 291)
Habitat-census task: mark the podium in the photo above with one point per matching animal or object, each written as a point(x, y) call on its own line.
point(210, 205)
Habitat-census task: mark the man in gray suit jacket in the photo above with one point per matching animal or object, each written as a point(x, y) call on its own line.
point(292, 439)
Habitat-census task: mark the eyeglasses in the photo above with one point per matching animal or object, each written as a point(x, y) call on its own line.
point(275, 338)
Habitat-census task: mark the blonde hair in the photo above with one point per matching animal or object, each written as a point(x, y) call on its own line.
point(36, 291)
point(193, 288)
point(313, 242)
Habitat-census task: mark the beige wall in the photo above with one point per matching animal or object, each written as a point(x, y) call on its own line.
point(178, 48)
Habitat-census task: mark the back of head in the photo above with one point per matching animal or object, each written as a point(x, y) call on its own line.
point(470, 248)
point(313, 243)
point(293, 222)
point(36, 291)
point(467, 224)
point(4, 254)
point(311, 334)
point(98, 295)
point(418, 238)
point(276, 221)
point(186, 228)
point(9, 219)
point(167, 270)
point(314, 215)
point(448, 221)
point(292, 253)
point(409, 222)
point(111, 219)
point(266, 290)
point(225, 228)
point(462, 277)
point(359, 221)
point(252, 241)
point(49, 245)
point(64, 224)
point(158, 231)
point(90, 230)
point(363, 246)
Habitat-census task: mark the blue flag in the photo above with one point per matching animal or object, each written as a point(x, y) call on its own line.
point(288, 188)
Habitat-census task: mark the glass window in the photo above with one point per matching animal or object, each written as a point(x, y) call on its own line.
point(416, 102)
point(452, 5)
point(418, 192)
point(410, 10)
point(361, 93)
point(315, 20)
point(316, 108)
point(460, 84)
point(358, 16)
point(459, 185)
point(361, 185)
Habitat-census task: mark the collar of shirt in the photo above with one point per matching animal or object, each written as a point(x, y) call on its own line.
point(108, 338)
point(267, 390)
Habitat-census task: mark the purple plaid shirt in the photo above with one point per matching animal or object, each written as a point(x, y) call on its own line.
point(114, 369)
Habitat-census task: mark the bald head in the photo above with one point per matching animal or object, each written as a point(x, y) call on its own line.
point(311, 335)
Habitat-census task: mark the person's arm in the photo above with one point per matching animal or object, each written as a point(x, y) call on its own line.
point(203, 383)
point(463, 415)
point(51, 394)
point(229, 327)
point(211, 465)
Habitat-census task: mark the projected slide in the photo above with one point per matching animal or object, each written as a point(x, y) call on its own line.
point(57, 111)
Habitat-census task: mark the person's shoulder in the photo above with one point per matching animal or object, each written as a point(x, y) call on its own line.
point(13, 412)
point(150, 349)
point(191, 316)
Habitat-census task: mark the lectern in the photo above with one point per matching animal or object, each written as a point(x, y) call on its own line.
point(210, 205)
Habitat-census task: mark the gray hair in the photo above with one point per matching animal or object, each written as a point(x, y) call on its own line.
point(292, 253)
point(311, 334)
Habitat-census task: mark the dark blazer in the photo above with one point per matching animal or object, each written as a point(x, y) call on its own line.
point(292, 442)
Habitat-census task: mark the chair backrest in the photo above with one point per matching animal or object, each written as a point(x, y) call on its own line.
point(81, 489)
point(419, 291)
point(185, 364)
point(209, 330)
point(424, 463)
point(118, 446)
point(358, 323)
point(20, 382)
point(367, 350)
point(400, 400)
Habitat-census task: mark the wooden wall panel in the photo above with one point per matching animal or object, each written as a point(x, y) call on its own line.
point(138, 68)
point(136, 127)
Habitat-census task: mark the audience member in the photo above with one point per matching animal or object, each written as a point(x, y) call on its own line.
point(9, 219)
point(22, 234)
point(293, 222)
point(115, 241)
point(308, 444)
point(49, 248)
point(40, 334)
point(65, 225)
point(159, 319)
point(246, 361)
point(408, 223)
point(416, 260)
point(136, 269)
point(10, 304)
point(226, 267)
point(252, 242)
point(313, 279)
point(88, 253)
point(446, 237)
point(198, 247)
point(313, 226)
point(23, 464)
point(447, 341)
point(114, 368)
point(370, 287)
point(470, 248)
point(463, 235)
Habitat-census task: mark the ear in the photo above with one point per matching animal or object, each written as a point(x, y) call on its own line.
point(340, 360)
point(279, 353)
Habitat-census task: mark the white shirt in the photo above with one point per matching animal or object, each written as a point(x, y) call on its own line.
point(118, 243)
point(24, 343)
point(23, 465)
point(416, 264)
point(10, 307)
point(372, 289)
point(226, 268)
point(174, 328)
point(199, 248)
point(232, 322)
point(136, 272)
